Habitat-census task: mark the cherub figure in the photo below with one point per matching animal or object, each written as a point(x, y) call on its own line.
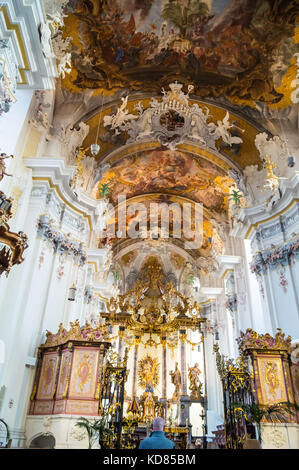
point(3, 156)
point(117, 120)
point(222, 130)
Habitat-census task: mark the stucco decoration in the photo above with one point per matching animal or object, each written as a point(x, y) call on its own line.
point(41, 114)
point(60, 243)
point(172, 121)
point(275, 258)
point(53, 42)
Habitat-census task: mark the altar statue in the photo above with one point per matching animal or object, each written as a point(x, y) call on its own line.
point(177, 381)
point(195, 384)
point(148, 407)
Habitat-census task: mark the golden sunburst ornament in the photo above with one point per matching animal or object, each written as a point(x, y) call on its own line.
point(148, 372)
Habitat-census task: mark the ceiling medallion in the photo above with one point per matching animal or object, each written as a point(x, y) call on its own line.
point(173, 121)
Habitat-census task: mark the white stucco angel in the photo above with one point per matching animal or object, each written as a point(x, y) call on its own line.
point(222, 130)
point(122, 115)
point(45, 33)
point(56, 20)
point(65, 65)
point(295, 83)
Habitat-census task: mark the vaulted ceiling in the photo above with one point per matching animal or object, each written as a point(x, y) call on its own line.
point(235, 55)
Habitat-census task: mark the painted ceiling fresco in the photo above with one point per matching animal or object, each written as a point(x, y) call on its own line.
point(129, 257)
point(171, 172)
point(134, 222)
point(230, 58)
point(231, 47)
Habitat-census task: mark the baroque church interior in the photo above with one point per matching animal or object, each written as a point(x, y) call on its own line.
point(149, 223)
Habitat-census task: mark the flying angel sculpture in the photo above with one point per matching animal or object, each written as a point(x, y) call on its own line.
point(116, 121)
point(222, 130)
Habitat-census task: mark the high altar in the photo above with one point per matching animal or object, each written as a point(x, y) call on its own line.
point(149, 221)
point(153, 330)
point(161, 328)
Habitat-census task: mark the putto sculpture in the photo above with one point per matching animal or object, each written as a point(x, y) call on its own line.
point(172, 121)
point(3, 156)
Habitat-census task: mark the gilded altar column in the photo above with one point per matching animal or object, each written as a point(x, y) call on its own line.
point(184, 399)
point(183, 337)
point(121, 333)
point(134, 404)
point(164, 368)
point(163, 399)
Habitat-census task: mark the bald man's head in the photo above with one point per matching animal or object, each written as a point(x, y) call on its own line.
point(158, 424)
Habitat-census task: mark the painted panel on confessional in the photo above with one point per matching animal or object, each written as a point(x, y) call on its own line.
point(84, 373)
point(43, 407)
point(66, 358)
point(80, 407)
point(272, 382)
point(46, 387)
point(295, 381)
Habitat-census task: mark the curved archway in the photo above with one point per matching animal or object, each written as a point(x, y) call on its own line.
point(43, 441)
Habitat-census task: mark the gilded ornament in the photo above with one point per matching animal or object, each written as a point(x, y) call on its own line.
point(148, 373)
point(251, 340)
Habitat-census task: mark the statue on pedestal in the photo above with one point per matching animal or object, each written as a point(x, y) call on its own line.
point(149, 406)
point(177, 381)
point(195, 384)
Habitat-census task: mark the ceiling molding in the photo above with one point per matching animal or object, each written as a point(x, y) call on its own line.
point(19, 25)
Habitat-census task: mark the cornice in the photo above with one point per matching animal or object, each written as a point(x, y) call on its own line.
point(96, 258)
point(252, 217)
point(210, 291)
point(227, 263)
point(57, 175)
point(19, 23)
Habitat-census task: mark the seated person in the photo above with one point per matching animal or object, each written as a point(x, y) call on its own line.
point(157, 440)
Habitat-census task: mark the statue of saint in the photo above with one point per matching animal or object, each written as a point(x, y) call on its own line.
point(148, 407)
point(176, 380)
point(195, 384)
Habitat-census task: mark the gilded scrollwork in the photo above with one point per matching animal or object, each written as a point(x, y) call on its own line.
point(153, 306)
point(252, 340)
point(76, 332)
